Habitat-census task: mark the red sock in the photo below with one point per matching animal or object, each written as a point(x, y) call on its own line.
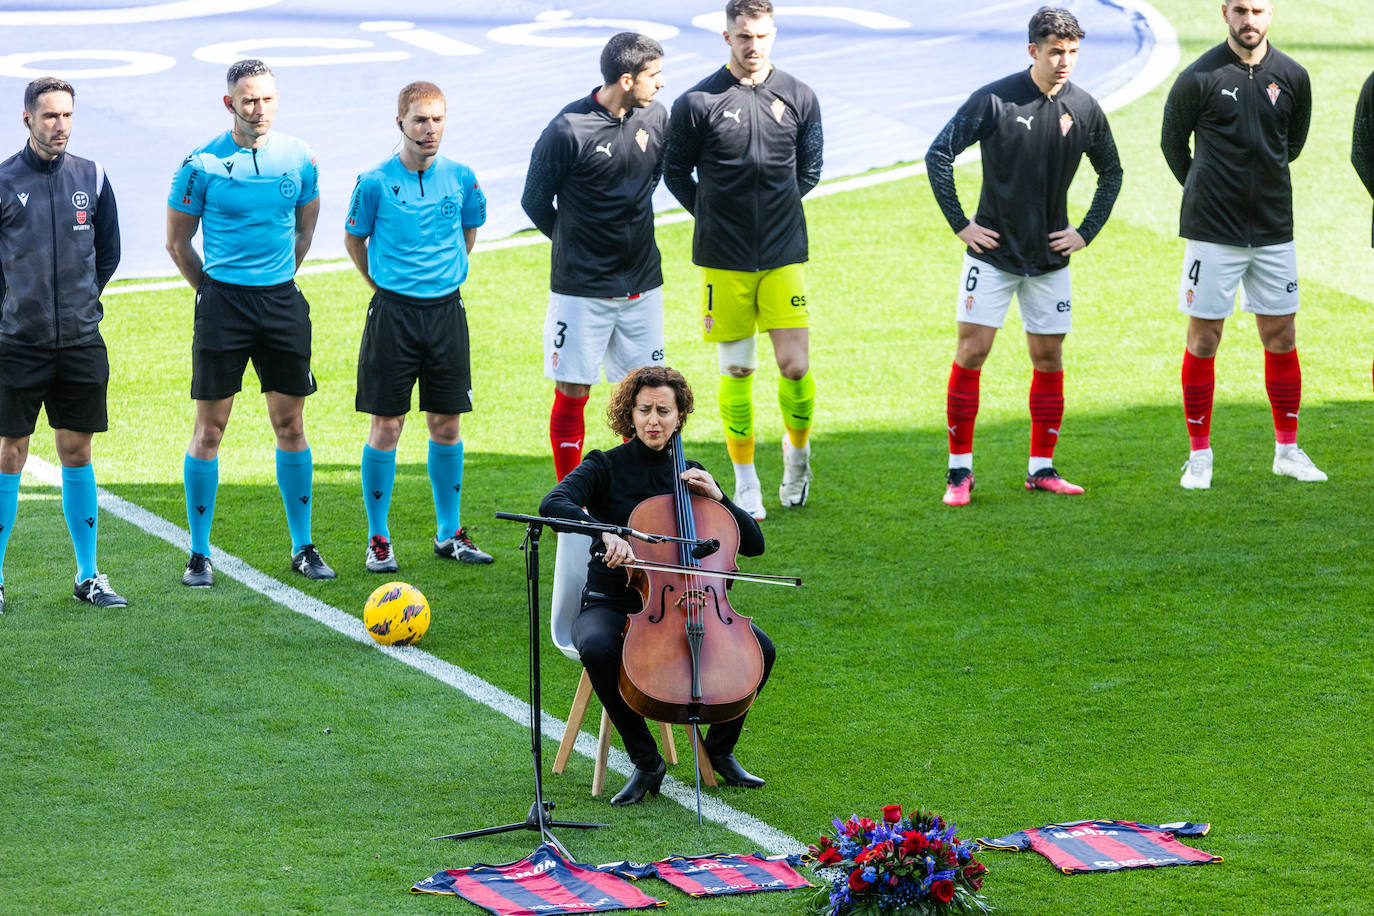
point(1046, 410)
point(566, 430)
point(1199, 382)
point(961, 408)
point(1283, 381)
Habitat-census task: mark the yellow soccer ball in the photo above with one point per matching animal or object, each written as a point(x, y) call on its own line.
point(396, 614)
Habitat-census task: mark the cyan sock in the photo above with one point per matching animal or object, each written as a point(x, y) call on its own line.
point(379, 476)
point(201, 479)
point(295, 472)
point(446, 482)
point(79, 509)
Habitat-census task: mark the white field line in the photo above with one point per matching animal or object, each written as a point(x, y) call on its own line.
point(1156, 69)
point(517, 710)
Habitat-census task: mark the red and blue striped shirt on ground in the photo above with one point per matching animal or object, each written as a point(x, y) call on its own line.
point(543, 882)
point(1087, 846)
point(718, 874)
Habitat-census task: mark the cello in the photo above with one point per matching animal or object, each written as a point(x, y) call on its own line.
point(689, 657)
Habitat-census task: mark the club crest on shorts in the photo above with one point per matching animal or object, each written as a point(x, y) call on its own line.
point(778, 106)
point(1065, 122)
point(1273, 90)
point(706, 322)
point(968, 304)
point(642, 138)
point(1188, 297)
point(554, 359)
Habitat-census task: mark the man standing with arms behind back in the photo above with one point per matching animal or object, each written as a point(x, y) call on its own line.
point(1033, 128)
point(256, 196)
point(601, 157)
point(1362, 140)
point(1247, 107)
point(411, 224)
point(753, 135)
point(59, 246)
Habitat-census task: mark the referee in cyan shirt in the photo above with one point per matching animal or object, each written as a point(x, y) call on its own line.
point(411, 223)
point(255, 195)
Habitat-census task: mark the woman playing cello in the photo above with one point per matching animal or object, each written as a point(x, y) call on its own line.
point(649, 406)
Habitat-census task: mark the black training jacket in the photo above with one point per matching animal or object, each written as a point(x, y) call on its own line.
point(59, 246)
point(603, 171)
point(757, 151)
point(1030, 144)
point(1247, 124)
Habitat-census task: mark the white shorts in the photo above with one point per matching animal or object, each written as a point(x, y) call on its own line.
point(1267, 277)
point(985, 295)
point(582, 334)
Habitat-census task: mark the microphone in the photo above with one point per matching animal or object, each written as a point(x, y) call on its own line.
point(704, 548)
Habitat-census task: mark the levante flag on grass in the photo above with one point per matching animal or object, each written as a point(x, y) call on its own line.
point(1084, 846)
point(718, 874)
point(542, 882)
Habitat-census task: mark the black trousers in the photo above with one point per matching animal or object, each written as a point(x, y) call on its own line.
point(599, 635)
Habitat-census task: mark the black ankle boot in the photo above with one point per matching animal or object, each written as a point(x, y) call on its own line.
point(644, 782)
point(734, 774)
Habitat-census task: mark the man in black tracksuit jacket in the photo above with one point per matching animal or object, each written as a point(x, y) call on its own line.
point(1032, 129)
point(1247, 107)
point(753, 135)
point(59, 246)
point(601, 158)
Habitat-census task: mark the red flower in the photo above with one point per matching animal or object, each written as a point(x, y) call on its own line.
point(943, 890)
point(913, 843)
point(857, 884)
point(867, 824)
point(892, 813)
point(853, 828)
point(829, 856)
point(824, 842)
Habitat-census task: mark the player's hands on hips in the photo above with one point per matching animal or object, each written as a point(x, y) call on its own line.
point(979, 238)
point(1066, 241)
point(701, 483)
point(618, 550)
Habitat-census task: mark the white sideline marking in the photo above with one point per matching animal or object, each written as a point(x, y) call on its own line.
point(517, 710)
point(1156, 69)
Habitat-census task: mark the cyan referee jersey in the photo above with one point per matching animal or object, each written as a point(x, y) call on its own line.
point(414, 224)
point(247, 200)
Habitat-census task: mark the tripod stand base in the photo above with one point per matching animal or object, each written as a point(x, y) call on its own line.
point(537, 820)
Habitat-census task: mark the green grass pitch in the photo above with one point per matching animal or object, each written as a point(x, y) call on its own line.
point(1140, 652)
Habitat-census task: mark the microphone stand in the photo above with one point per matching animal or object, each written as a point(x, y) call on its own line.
point(539, 817)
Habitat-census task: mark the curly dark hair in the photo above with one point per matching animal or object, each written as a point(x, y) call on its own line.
point(1049, 22)
point(620, 411)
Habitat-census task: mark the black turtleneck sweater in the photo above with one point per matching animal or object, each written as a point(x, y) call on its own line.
point(610, 484)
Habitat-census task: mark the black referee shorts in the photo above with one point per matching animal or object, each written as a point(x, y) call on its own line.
point(268, 324)
point(406, 339)
point(69, 381)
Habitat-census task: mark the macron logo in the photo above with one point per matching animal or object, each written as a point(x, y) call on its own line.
point(23, 200)
point(1233, 93)
point(605, 149)
point(1026, 121)
point(732, 114)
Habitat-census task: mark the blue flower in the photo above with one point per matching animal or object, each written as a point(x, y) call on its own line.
point(870, 873)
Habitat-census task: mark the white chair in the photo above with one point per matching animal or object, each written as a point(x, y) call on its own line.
point(569, 575)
